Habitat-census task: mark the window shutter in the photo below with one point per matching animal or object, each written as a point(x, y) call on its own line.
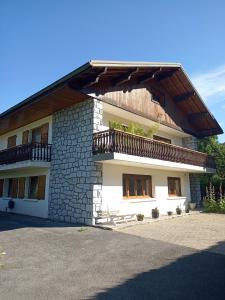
point(21, 191)
point(14, 188)
point(44, 134)
point(25, 139)
point(11, 141)
point(1, 187)
point(41, 187)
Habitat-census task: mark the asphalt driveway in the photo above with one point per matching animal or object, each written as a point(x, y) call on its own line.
point(47, 260)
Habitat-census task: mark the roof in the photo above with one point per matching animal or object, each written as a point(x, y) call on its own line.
point(76, 87)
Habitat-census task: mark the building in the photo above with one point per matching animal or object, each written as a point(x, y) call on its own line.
point(60, 160)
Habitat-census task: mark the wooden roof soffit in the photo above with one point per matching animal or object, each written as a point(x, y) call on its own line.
point(95, 79)
point(197, 116)
point(149, 76)
point(90, 80)
point(166, 74)
point(183, 97)
point(125, 77)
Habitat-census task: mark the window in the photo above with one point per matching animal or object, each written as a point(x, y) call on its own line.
point(40, 134)
point(1, 187)
point(13, 187)
point(21, 187)
point(37, 187)
point(137, 186)
point(174, 186)
point(33, 187)
point(161, 139)
point(16, 187)
point(11, 141)
point(25, 138)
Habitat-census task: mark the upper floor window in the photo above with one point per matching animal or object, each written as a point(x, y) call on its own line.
point(40, 134)
point(137, 186)
point(161, 139)
point(11, 141)
point(174, 186)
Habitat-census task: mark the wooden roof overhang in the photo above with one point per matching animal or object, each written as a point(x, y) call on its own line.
point(99, 75)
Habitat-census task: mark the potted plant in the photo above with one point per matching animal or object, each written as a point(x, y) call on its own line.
point(155, 213)
point(169, 213)
point(11, 204)
point(192, 205)
point(178, 210)
point(140, 217)
point(187, 210)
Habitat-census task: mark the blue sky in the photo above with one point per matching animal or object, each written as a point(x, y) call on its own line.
point(44, 40)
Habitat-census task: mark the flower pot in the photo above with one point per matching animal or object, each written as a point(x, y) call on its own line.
point(140, 217)
point(192, 205)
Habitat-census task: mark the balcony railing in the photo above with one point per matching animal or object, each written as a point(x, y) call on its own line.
point(112, 140)
point(33, 151)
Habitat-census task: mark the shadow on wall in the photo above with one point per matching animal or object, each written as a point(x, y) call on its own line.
point(199, 276)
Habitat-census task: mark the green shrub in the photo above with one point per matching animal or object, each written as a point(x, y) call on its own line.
point(221, 205)
point(140, 217)
point(134, 128)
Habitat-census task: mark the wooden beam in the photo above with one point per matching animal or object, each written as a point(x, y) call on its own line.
point(149, 76)
point(183, 97)
point(125, 77)
point(166, 75)
point(197, 116)
point(94, 79)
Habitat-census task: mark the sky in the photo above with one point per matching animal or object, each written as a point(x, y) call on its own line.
point(44, 40)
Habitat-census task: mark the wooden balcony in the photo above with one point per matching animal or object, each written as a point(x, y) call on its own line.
point(33, 152)
point(117, 141)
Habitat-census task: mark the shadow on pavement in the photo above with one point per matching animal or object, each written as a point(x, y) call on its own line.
point(11, 221)
point(196, 276)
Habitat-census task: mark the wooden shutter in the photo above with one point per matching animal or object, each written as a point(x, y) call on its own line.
point(21, 185)
point(1, 187)
point(41, 187)
point(25, 139)
point(14, 191)
point(44, 134)
point(11, 141)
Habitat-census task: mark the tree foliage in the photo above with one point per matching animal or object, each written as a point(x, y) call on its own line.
point(211, 146)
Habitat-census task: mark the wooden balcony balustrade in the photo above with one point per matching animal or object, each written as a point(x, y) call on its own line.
point(113, 140)
point(32, 151)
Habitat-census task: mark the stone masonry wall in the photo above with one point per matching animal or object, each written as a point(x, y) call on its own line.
point(194, 178)
point(75, 181)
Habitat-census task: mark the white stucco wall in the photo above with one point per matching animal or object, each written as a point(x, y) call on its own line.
point(19, 132)
point(112, 192)
point(38, 208)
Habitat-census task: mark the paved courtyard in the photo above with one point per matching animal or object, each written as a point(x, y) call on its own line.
point(199, 231)
point(48, 260)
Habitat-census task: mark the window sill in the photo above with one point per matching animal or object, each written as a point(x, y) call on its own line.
point(136, 200)
point(176, 198)
point(31, 200)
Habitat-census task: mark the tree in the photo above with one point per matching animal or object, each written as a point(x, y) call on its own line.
point(211, 146)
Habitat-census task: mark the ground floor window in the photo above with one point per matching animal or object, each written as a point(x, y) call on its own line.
point(23, 187)
point(37, 187)
point(137, 186)
point(1, 187)
point(174, 186)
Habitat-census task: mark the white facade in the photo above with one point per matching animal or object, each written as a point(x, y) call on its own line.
point(34, 207)
point(112, 191)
